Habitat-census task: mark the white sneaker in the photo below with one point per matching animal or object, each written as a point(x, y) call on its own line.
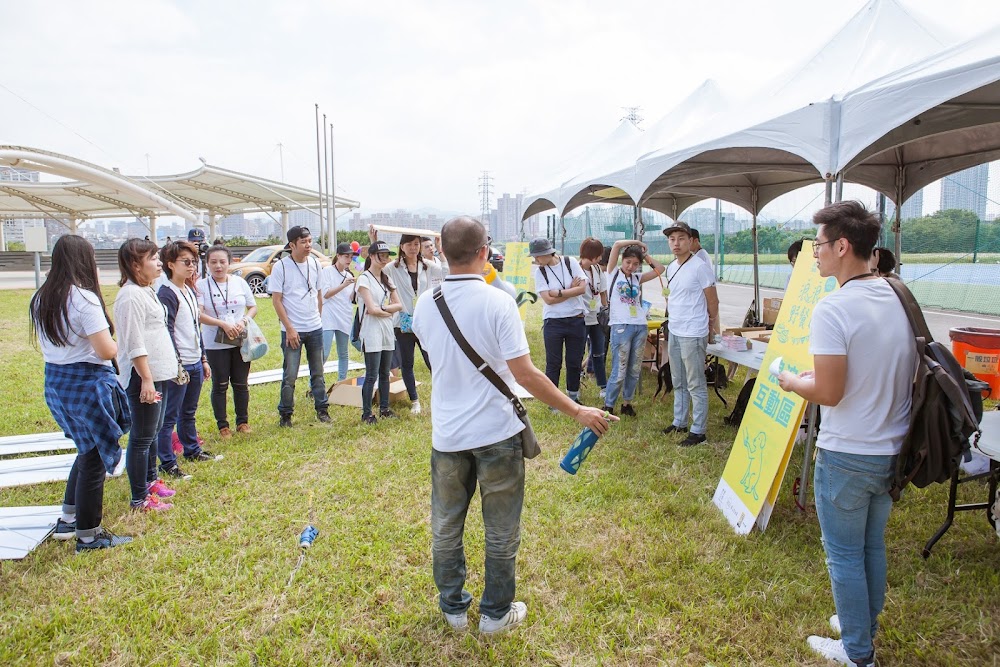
point(518, 612)
point(835, 624)
point(832, 649)
point(457, 621)
point(415, 408)
point(604, 392)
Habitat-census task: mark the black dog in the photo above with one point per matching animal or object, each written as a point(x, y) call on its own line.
point(715, 374)
point(664, 382)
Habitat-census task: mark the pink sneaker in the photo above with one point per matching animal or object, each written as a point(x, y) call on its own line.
point(160, 489)
point(154, 504)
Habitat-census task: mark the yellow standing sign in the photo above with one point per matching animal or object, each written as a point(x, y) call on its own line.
point(756, 466)
point(517, 269)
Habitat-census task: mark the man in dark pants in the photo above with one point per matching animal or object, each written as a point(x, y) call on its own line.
point(294, 286)
point(476, 435)
point(560, 283)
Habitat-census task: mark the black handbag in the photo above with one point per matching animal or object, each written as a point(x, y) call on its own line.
point(529, 443)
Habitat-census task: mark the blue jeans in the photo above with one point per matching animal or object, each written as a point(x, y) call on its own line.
point(595, 332)
point(180, 403)
point(628, 342)
point(376, 370)
point(312, 341)
point(140, 459)
point(499, 471)
point(853, 504)
point(405, 343)
point(687, 372)
point(571, 333)
point(343, 356)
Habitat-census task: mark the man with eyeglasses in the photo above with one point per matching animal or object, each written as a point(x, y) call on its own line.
point(864, 358)
point(294, 287)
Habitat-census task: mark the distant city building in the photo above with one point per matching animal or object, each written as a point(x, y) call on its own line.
point(913, 208)
point(966, 190)
point(232, 225)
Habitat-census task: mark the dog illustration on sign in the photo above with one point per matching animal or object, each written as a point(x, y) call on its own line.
point(755, 463)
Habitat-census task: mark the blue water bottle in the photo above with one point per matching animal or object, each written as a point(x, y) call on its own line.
point(578, 451)
point(307, 537)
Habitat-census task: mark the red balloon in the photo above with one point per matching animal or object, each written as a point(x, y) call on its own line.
point(355, 246)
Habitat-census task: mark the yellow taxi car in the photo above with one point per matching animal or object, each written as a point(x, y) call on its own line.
point(256, 267)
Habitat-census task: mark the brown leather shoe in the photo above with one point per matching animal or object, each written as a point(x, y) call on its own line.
point(243, 428)
point(225, 433)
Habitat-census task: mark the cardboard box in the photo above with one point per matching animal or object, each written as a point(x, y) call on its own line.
point(771, 308)
point(741, 331)
point(348, 392)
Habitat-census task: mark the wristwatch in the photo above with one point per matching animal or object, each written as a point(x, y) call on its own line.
point(560, 293)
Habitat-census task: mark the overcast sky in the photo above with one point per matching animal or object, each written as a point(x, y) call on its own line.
point(423, 94)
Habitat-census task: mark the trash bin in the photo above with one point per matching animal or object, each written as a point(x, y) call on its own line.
point(978, 351)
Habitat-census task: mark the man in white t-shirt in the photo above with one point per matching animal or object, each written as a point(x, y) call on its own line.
point(700, 252)
point(561, 283)
point(864, 357)
point(693, 315)
point(476, 435)
point(294, 287)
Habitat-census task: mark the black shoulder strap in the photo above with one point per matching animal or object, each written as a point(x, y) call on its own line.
point(473, 356)
point(569, 271)
point(912, 308)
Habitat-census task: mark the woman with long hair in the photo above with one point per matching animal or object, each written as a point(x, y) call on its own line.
point(227, 306)
point(180, 399)
point(336, 283)
point(70, 323)
point(378, 301)
point(146, 359)
point(412, 275)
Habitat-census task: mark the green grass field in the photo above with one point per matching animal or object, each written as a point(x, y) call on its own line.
point(627, 563)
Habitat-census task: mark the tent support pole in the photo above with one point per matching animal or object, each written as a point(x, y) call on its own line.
point(326, 184)
point(756, 268)
point(840, 186)
point(284, 224)
point(897, 227)
point(640, 228)
point(152, 228)
point(332, 199)
point(562, 225)
point(211, 226)
point(828, 197)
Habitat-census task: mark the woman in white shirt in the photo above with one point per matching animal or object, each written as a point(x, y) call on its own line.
point(596, 298)
point(336, 284)
point(627, 317)
point(74, 333)
point(412, 275)
point(227, 305)
point(180, 263)
point(146, 359)
point(377, 303)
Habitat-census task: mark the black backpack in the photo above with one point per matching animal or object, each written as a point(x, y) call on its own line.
point(735, 418)
point(942, 417)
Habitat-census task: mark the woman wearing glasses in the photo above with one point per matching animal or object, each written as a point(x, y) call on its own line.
point(180, 263)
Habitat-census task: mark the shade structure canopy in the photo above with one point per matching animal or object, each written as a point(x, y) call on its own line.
point(934, 118)
point(789, 128)
point(101, 193)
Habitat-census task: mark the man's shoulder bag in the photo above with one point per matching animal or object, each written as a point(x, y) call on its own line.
point(942, 418)
point(529, 443)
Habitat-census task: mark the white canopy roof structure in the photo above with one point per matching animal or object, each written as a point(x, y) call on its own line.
point(923, 122)
point(103, 193)
point(779, 139)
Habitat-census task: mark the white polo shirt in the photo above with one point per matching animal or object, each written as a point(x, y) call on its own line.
point(467, 411)
point(298, 285)
point(687, 308)
point(557, 278)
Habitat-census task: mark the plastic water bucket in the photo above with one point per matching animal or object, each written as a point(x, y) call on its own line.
point(978, 351)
